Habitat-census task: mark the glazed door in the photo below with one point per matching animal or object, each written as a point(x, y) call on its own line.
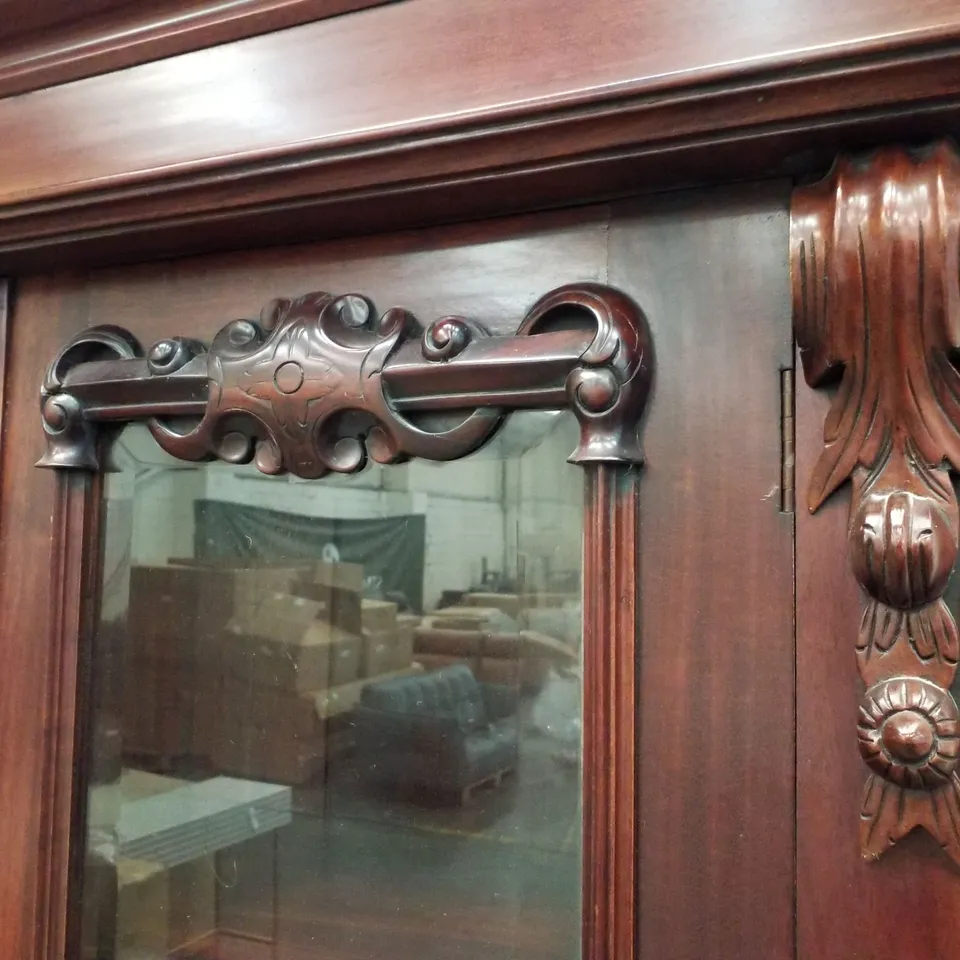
point(498, 706)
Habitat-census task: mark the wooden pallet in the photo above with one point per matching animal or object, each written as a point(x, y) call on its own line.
point(487, 783)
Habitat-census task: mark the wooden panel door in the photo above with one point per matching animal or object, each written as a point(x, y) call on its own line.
point(690, 851)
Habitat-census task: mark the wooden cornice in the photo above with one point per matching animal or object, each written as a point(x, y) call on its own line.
point(423, 111)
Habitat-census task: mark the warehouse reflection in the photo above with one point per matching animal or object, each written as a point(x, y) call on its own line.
point(339, 718)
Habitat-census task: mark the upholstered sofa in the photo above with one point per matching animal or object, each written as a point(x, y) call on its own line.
point(437, 734)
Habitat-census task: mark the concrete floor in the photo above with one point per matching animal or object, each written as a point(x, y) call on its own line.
point(364, 877)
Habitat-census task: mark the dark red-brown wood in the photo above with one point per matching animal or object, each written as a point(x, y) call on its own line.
point(47, 43)
point(904, 905)
point(873, 258)
point(876, 295)
point(283, 384)
point(388, 117)
point(715, 689)
point(610, 551)
point(713, 839)
point(47, 532)
point(48, 527)
point(22, 17)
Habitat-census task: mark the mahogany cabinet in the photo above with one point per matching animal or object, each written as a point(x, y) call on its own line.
point(315, 646)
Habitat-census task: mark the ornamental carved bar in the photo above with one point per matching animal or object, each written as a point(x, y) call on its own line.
point(874, 266)
point(323, 384)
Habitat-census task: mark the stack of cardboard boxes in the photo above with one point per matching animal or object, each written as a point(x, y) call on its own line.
point(500, 636)
point(258, 663)
point(175, 621)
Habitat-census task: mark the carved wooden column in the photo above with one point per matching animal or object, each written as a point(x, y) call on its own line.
point(874, 265)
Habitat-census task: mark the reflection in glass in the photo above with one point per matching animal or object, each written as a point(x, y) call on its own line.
point(339, 718)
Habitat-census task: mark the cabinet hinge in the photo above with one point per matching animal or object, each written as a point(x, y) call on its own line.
point(787, 443)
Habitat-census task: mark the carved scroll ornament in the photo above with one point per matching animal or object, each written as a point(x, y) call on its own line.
point(322, 384)
point(874, 263)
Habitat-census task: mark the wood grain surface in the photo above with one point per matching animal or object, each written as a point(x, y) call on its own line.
point(43, 44)
point(426, 110)
point(48, 543)
point(716, 749)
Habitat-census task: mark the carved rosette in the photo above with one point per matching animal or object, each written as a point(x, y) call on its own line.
point(908, 732)
point(322, 383)
point(874, 264)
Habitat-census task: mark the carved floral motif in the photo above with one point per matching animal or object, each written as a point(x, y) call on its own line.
point(874, 262)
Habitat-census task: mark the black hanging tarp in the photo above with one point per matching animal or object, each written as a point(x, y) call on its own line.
point(391, 548)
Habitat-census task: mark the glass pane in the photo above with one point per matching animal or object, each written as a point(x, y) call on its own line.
point(339, 718)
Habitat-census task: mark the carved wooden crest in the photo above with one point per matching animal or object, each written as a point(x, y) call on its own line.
point(322, 383)
point(874, 265)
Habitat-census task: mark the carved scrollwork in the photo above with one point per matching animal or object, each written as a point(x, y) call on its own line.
point(874, 263)
point(322, 384)
point(71, 437)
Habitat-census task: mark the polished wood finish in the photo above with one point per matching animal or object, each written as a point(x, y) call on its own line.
point(4, 321)
point(482, 271)
point(715, 754)
point(22, 17)
point(906, 903)
point(610, 865)
point(706, 833)
point(323, 384)
point(48, 526)
point(603, 373)
point(282, 135)
point(54, 42)
point(875, 285)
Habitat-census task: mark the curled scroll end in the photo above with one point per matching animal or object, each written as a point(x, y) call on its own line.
point(71, 441)
point(608, 389)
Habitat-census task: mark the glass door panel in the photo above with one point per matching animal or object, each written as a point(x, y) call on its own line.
point(339, 718)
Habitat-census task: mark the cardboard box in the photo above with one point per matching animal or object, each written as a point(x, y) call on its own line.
point(280, 617)
point(323, 656)
point(264, 733)
point(509, 603)
point(249, 578)
point(507, 673)
point(338, 588)
point(466, 618)
point(340, 576)
point(158, 709)
point(176, 606)
point(378, 616)
point(259, 755)
point(187, 601)
point(282, 644)
point(159, 911)
point(275, 713)
point(143, 903)
point(379, 653)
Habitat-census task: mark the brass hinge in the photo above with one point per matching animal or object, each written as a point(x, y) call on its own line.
point(787, 443)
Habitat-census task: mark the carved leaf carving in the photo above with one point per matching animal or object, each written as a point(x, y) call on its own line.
point(876, 292)
point(874, 254)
